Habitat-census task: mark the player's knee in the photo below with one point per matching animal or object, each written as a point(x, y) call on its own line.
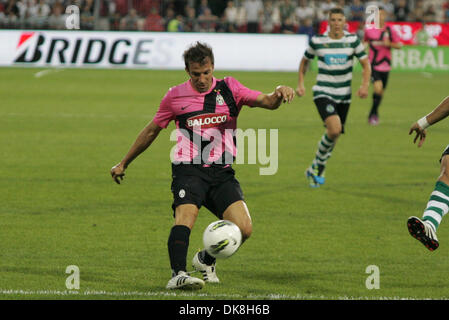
point(444, 177)
point(444, 174)
point(334, 133)
point(186, 215)
point(379, 91)
point(333, 127)
point(378, 88)
point(247, 230)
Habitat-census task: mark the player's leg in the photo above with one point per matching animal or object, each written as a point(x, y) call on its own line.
point(373, 117)
point(444, 171)
point(178, 245)
point(226, 202)
point(333, 127)
point(437, 207)
point(328, 111)
point(379, 86)
point(188, 193)
point(178, 240)
point(327, 144)
point(239, 214)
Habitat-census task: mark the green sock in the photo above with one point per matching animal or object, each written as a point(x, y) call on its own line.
point(438, 204)
point(324, 152)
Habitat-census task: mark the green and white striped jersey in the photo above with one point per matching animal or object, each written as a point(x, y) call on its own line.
point(335, 62)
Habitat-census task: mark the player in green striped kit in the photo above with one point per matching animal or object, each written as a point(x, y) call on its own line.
point(335, 50)
point(438, 205)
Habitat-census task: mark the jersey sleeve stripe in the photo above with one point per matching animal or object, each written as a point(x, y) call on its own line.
point(308, 55)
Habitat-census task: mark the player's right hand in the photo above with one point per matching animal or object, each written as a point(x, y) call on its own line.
point(286, 93)
point(300, 91)
point(118, 172)
point(363, 92)
point(420, 133)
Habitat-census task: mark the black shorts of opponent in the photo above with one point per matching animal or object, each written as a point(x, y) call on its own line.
point(382, 76)
point(327, 107)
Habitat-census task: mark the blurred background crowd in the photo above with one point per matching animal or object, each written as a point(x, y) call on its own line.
point(251, 16)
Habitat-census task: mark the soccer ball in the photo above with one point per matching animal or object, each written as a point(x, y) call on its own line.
point(222, 239)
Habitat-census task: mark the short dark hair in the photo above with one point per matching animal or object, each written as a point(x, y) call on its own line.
point(336, 10)
point(198, 52)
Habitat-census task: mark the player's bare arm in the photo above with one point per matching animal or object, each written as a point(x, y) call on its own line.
point(439, 113)
point(303, 67)
point(272, 101)
point(143, 141)
point(366, 75)
point(390, 44)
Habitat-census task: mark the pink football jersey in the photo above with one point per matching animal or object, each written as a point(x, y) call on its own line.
point(379, 54)
point(205, 122)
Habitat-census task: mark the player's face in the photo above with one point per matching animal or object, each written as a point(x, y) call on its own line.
point(337, 23)
point(201, 75)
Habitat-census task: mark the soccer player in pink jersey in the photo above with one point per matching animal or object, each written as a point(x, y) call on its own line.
point(205, 111)
point(380, 41)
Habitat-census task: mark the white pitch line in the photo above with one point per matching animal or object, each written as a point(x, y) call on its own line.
point(42, 73)
point(168, 294)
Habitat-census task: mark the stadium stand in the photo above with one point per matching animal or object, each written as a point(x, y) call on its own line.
point(265, 16)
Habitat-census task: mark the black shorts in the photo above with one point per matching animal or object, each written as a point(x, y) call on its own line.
point(445, 153)
point(327, 107)
point(215, 187)
point(382, 76)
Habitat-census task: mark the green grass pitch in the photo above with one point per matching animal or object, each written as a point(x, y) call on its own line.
point(61, 133)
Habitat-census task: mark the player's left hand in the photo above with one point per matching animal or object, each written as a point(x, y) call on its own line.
point(118, 172)
point(420, 133)
point(286, 93)
point(363, 92)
